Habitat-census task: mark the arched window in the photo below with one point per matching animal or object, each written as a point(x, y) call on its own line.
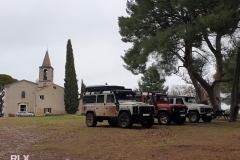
point(45, 74)
point(23, 94)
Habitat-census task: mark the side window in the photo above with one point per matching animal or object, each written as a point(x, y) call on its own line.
point(89, 99)
point(41, 97)
point(47, 110)
point(23, 94)
point(110, 98)
point(179, 101)
point(100, 99)
point(171, 100)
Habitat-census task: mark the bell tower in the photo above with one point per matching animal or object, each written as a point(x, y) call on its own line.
point(45, 73)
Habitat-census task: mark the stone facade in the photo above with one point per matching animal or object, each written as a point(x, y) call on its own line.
point(19, 96)
point(50, 99)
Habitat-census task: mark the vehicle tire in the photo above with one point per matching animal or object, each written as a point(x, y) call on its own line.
point(147, 123)
point(194, 117)
point(164, 118)
point(124, 120)
point(91, 120)
point(112, 122)
point(206, 119)
point(179, 120)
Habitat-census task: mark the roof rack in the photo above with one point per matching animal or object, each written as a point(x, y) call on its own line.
point(99, 88)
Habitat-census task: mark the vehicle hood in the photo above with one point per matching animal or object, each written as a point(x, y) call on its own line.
point(198, 105)
point(133, 103)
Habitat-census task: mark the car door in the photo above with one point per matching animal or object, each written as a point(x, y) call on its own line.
point(25, 114)
point(179, 101)
point(110, 107)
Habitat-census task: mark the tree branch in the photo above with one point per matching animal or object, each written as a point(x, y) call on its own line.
point(218, 81)
point(200, 54)
point(178, 69)
point(209, 43)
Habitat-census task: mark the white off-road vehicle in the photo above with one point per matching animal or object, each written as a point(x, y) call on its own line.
point(195, 110)
point(117, 105)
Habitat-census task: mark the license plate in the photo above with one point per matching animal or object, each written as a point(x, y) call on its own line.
point(208, 114)
point(146, 114)
point(182, 115)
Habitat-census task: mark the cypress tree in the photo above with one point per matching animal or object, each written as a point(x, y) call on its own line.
point(82, 89)
point(71, 99)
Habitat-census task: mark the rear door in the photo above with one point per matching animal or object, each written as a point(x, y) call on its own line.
point(110, 107)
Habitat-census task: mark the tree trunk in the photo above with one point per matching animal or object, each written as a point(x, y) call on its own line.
point(234, 108)
point(219, 69)
point(1, 98)
point(198, 88)
point(198, 77)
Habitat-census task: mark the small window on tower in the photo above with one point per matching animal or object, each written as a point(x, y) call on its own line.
point(45, 74)
point(42, 97)
point(54, 87)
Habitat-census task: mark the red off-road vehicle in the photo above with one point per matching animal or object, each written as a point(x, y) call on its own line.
point(164, 111)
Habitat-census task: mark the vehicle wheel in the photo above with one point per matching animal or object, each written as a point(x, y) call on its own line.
point(91, 120)
point(206, 119)
point(180, 120)
point(124, 120)
point(148, 123)
point(194, 117)
point(164, 118)
point(112, 122)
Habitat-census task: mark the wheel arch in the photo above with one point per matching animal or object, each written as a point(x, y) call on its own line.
point(91, 111)
point(125, 110)
point(162, 110)
point(192, 110)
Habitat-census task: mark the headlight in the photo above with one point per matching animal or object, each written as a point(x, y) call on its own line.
point(201, 109)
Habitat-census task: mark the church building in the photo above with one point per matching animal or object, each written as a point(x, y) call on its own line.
point(39, 98)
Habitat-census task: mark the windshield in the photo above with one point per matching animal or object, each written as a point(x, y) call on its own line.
point(190, 100)
point(125, 96)
point(160, 98)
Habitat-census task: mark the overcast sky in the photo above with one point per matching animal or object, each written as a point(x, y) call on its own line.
point(30, 27)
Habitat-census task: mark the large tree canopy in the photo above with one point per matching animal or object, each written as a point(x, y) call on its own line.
point(6, 79)
point(170, 31)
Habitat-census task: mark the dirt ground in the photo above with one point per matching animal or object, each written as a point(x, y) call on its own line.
point(68, 138)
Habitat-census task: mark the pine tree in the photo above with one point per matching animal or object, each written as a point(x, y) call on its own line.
point(71, 99)
point(169, 32)
point(151, 81)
